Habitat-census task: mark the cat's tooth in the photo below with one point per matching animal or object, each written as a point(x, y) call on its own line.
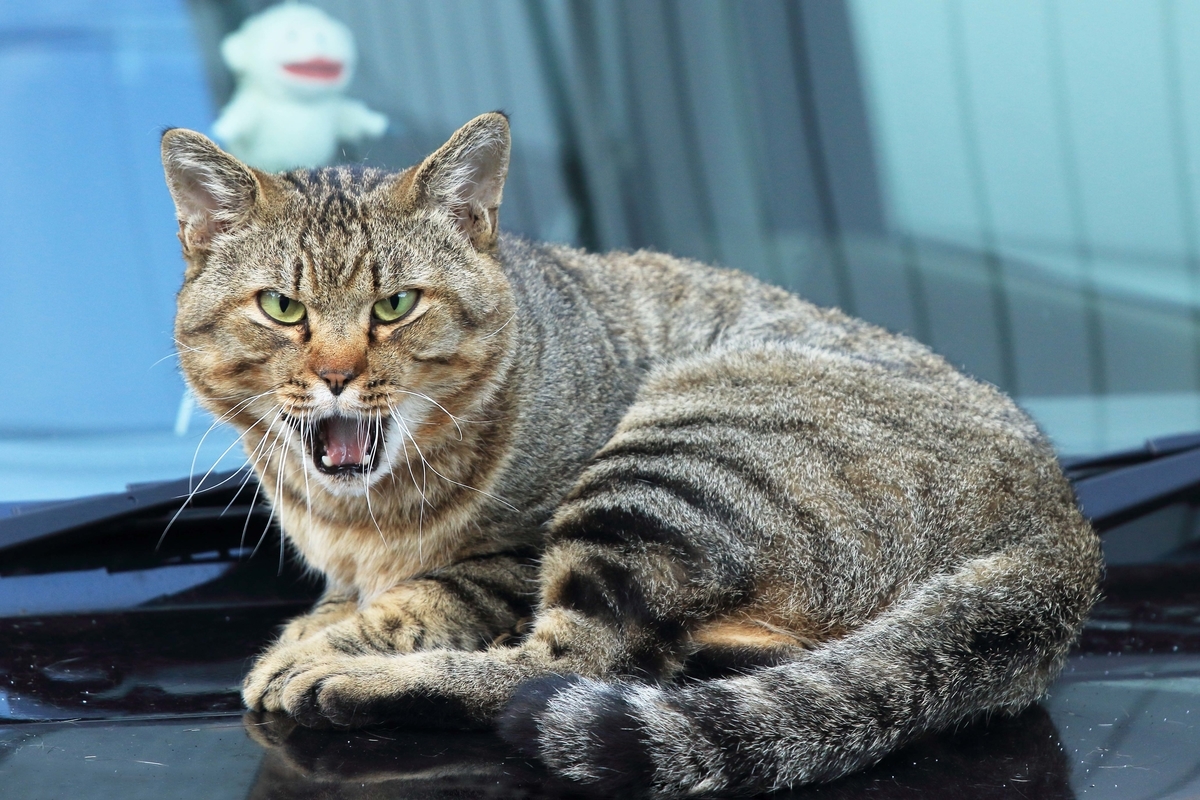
point(327, 461)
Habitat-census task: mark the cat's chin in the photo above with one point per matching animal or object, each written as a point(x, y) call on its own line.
point(346, 485)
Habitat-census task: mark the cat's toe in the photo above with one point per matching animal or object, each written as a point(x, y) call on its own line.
point(341, 701)
point(256, 687)
point(265, 684)
point(300, 697)
point(346, 692)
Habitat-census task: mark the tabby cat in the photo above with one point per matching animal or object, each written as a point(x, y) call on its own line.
point(672, 529)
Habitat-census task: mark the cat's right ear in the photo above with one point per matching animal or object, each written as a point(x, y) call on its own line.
point(212, 190)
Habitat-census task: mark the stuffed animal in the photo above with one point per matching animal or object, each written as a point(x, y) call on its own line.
point(292, 63)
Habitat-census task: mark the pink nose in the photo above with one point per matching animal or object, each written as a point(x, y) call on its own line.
point(336, 379)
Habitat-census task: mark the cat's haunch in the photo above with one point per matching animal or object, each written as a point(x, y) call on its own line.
point(694, 533)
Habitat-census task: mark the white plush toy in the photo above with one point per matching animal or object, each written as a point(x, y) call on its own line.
point(292, 63)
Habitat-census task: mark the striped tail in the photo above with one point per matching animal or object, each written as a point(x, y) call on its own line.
point(989, 637)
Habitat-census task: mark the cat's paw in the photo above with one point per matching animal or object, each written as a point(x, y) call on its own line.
point(432, 689)
point(350, 692)
point(263, 686)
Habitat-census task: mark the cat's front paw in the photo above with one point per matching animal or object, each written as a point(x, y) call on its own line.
point(350, 692)
point(440, 689)
point(264, 685)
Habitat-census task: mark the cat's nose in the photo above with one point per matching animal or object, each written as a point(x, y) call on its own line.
point(336, 379)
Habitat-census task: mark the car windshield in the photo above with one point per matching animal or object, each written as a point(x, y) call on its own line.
point(1016, 185)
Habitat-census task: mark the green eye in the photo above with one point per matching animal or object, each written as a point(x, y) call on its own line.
point(280, 308)
point(390, 309)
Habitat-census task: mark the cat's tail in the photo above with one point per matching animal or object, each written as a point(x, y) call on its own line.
point(988, 637)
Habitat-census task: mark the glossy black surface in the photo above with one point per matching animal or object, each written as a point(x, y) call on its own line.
point(131, 699)
point(1114, 727)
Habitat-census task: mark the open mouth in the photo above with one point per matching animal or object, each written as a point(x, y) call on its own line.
point(345, 445)
point(317, 69)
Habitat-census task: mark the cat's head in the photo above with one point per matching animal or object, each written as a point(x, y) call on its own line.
point(342, 314)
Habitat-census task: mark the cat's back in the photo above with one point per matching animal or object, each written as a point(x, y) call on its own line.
point(830, 440)
point(658, 309)
point(665, 305)
point(822, 398)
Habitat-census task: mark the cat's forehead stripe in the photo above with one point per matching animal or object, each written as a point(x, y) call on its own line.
point(358, 181)
point(330, 212)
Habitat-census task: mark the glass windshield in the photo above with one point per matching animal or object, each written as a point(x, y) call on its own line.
point(1013, 184)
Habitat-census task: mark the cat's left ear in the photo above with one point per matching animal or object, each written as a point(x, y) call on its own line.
point(466, 177)
point(212, 190)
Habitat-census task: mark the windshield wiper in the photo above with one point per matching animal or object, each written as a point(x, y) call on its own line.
point(1117, 487)
point(27, 523)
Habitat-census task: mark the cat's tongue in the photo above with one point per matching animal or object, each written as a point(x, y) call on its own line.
point(346, 441)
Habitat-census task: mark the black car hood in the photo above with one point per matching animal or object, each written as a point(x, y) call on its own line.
point(119, 675)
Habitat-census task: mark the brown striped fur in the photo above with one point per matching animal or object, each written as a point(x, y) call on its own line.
point(676, 471)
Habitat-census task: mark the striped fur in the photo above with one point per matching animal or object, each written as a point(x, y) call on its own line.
point(678, 531)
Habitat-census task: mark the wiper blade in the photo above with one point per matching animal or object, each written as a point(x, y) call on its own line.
point(1116, 487)
point(1081, 467)
point(34, 521)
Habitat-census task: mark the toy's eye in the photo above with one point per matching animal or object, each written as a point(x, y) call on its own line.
point(280, 308)
point(390, 309)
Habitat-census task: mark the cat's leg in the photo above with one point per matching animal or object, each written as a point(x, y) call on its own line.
point(663, 532)
point(606, 610)
point(467, 605)
point(333, 607)
point(623, 581)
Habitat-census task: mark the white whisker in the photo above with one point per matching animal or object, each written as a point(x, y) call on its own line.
point(194, 488)
point(404, 449)
point(253, 458)
point(278, 494)
point(223, 418)
point(367, 496)
point(420, 488)
point(429, 399)
point(249, 515)
point(278, 487)
point(305, 436)
point(502, 327)
point(173, 354)
point(181, 346)
point(427, 465)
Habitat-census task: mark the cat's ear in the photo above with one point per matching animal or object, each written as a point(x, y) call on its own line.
point(466, 177)
point(212, 190)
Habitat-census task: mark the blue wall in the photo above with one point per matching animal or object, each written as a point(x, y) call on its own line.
point(89, 262)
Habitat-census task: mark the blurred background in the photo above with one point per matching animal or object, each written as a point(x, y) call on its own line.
point(1014, 182)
